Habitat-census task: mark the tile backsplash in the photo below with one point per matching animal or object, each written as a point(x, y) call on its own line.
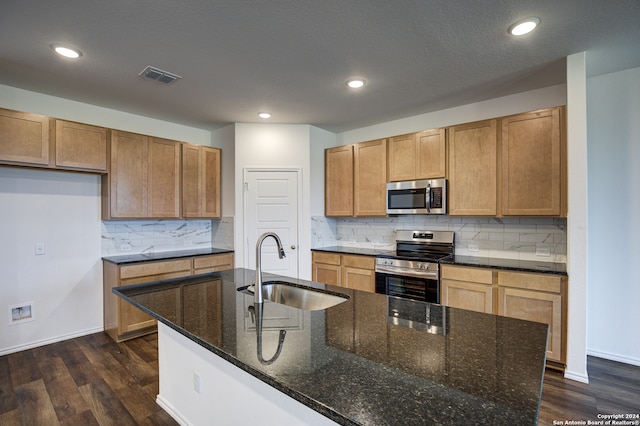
point(540, 239)
point(145, 236)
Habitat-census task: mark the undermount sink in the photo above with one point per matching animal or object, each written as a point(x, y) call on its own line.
point(295, 296)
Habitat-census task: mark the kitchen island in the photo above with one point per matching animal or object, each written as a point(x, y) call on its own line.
point(370, 360)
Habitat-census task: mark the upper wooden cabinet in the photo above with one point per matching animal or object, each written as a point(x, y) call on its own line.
point(370, 178)
point(473, 173)
point(417, 155)
point(80, 146)
point(144, 178)
point(200, 181)
point(338, 181)
point(533, 158)
point(37, 141)
point(24, 138)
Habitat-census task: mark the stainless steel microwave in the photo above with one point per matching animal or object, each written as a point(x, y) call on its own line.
point(427, 196)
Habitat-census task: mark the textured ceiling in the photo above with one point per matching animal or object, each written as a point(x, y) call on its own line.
point(292, 57)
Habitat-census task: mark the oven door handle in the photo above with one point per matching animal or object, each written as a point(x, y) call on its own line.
point(407, 272)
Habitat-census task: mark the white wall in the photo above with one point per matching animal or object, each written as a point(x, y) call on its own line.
point(61, 209)
point(274, 146)
point(37, 103)
point(614, 216)
point(507, 105)
point(576, 221)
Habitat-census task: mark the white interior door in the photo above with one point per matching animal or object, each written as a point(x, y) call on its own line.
point(271, 204)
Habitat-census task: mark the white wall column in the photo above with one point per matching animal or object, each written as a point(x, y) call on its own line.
point(577, 220)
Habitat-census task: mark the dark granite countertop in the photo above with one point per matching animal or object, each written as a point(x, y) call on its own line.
point(508, 264)
point(163, 255)
point(483, 262)
point(355, 250)
point(372, 360)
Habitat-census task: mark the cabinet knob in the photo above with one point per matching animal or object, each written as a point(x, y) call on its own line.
point(293, 246)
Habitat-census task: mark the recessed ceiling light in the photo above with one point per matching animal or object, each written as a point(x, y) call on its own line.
point(355, 83)
point(264, 115)
point(66, 51)
point(524, 26)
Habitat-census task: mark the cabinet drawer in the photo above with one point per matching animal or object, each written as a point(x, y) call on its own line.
point(214, 261)
point(329, 258)
point(461, 273)
point(362, 262)
point(155, 268)
point(541, 282)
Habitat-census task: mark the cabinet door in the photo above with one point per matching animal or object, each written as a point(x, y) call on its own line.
point(467, 288)
point(535, 306)
point(473, 169)
point(325, 268)
point(127, 195)
point(200, 181)
point(80, 146)
point(467, 295)
point(359, 279)
point(24, 138)
point(338, 181)
point(370, 178)
point(403, 162)
point(431, 154)
point(358, 273)
point(163, 178)
point(210, 182)
point(531, 164)
point(326, 274)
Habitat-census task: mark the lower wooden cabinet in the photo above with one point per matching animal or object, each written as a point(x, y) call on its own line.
point(344, 270)
point(467, 288)
point(536, 297)
point(359, 272)
point(123, 321)
point(524, 295)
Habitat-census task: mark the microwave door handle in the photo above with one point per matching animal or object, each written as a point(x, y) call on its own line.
point(428, 198)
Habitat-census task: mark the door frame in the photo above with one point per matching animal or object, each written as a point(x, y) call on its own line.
point(248, 245)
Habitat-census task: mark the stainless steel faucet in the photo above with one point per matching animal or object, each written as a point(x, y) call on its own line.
point(257, 289)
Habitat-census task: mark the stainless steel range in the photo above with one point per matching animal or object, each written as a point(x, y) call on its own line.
point(413, 272)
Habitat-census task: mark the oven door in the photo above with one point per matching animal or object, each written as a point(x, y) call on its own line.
point(424, 289)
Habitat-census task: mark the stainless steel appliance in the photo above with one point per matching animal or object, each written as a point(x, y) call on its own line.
point(419, 316)
point(428, 196)
point(413, 272)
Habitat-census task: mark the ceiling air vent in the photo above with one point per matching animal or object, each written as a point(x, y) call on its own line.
point(157, 74)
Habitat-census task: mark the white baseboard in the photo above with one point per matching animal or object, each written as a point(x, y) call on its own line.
point(166, 406)
point(43, 342)
point(614, 357)
point(577, 377)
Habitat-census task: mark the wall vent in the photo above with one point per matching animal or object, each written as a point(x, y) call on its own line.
point(159, 75)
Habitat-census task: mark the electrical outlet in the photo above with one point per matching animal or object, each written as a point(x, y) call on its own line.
point(544, 252)
point(39, 249)
point(125, 247)
point(473, 247)
point(188, 243)
point(196, 382)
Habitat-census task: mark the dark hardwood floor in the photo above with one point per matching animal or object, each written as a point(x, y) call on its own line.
point(92, 380)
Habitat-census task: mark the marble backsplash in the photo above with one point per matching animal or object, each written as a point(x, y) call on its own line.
point(147, 236)
point(540, 239)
